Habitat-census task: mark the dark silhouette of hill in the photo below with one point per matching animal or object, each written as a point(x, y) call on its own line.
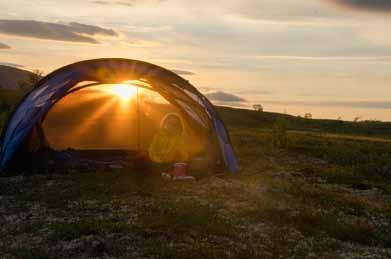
point(11, 76)
point(256, 120)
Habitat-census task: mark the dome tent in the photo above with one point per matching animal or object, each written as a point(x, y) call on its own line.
point(32, 110)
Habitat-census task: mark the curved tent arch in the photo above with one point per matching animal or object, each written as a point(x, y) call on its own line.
point(49, 90)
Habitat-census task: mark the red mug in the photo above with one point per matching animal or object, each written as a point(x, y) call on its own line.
point(180, 169)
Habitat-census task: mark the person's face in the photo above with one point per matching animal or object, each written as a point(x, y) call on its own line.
point(173, 124)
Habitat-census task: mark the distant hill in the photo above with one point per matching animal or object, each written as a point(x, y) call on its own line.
point(251, 119)
point(10, 76)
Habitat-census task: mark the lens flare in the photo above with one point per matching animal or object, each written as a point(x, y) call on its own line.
point(123, 91)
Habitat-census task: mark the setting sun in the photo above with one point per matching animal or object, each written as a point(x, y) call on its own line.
point(123, 91)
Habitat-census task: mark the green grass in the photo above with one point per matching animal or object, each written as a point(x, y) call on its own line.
point(265, 120)
point(289, 200)
point(74, 230)
point(29, 253)
point(179, 216)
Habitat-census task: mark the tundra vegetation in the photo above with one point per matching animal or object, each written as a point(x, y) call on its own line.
point(307, 189)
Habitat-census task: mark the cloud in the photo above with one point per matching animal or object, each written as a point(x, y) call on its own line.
point(369, 5)
point(8, 64)
point(101, 2)
point(220, 96)
point(73, 32)
point(280, 10)
point(352, 59)
point(129, 3)
point(183, 72)
point(253, 92)
point(140, 43)
point(113, 3)
point(342, 104)
point(4, 46)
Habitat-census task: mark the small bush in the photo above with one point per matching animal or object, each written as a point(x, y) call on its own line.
point(279, 131)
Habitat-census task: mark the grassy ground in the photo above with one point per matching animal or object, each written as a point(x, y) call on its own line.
point(321, 196)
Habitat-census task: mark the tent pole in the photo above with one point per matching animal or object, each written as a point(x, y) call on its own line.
point(138, 120)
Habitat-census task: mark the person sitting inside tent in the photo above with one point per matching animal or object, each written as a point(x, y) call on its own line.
point(168, 145)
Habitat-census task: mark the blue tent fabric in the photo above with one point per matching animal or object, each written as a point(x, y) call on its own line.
point(37, 103)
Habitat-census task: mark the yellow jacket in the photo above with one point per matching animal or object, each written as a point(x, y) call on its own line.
point(168, 147)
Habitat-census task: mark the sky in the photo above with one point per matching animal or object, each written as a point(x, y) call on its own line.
point(331, 58)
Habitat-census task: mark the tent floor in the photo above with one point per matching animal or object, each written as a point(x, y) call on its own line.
point(86, 160)
point(90, 160)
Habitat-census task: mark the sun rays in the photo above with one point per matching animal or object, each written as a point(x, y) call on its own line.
point(125, 92)
point(107, 110)
point(106, 116)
